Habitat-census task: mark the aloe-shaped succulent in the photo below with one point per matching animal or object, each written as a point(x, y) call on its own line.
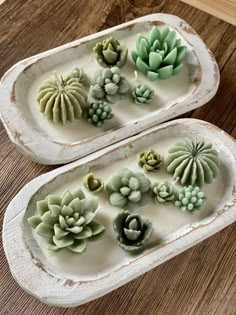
point(150, 161)
point(190, 199)
point(110, 85)
point(160, 55)
point(62, 100)
point(132, 231)
point(128, 189)
point(109, 53)
point(163, 192)
point(67, 221)
point(78, 73)
point(193, 161)
point(98, 112)
point(93, 183)
point(142, 94)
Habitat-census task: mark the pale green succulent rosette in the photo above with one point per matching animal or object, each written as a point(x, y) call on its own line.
point(99, 112)
point(190, 199)
point(142, 94)
point(132, 231)
point(160, 55)
point(62, 100)
point(78, 73)
point(67, 221)
point(93, 183)
point(163, 192)
point(128, 189)
point(193, 161)
point(109, 53)
point(150, 161)
point(110, 85)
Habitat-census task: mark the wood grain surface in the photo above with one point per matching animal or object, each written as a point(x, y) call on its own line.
point(202, 280)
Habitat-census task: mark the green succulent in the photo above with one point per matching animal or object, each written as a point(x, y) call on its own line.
point(110, 85)
point(160, 55)
point(193, 161)
point(150, 161)
point(128, 189)
point(67, 221)
point(99, 112)
point(163, 192)
point(79, 74)
point(109, 53)
point(93, 184)
point(132, 231)
point(142, 94)
point(190, 199)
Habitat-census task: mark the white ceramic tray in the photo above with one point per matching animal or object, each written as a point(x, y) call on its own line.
point(69, 279)
point(47, 143)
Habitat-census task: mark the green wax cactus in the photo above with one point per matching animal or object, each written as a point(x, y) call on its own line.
point(67, 221)
point(79, 74)
point(62, 100)
point(132, 231)
point(150, 161)
point(193, 161)
point(93, 184)
point(160, 55)
point(163, 192)
point(128, 189)
point(98, 112)
point(142, 94)
point(190, 199)
point(109, 53)
point(110, 85)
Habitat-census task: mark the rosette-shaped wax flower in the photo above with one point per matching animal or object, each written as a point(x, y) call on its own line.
point(67, 221)
point(99, 112)
point(110, 85)
point(78, 73)
point(163, 192)
point(93, 184)
point(62, 100)
point(150, 161)
point(128, 189)
point(109, 53)
point(142, 94)
point(190, 198)
point(160, 55)
point(132, 231)
point(194, 161)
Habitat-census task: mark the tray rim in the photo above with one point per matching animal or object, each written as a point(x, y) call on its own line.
point(154, 257)
point(53, 152)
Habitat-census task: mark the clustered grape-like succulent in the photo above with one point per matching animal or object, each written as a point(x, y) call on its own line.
point(93, 183)
point(78, 73)
point(98, 112)
point(142, 94)
point(160, 55)
point(110, 85)
point(109, 53)
point(67, 221)
point(193, 161)
point(132, 231)
point(150, 161)
point(163, 192)
point(128, 189)
point(190, 198)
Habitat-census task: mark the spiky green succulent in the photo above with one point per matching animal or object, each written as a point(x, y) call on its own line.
point(93, 183)
point(150, 161)
point(142, 94)
point(98, 112)
point(190, 199)
point(160, 55)
point(163, 192)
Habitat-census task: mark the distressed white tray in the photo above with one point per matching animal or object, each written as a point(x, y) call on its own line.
point(44, 142)
point(71, 280)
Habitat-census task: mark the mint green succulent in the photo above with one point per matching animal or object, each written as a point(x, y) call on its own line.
point(110, 85)
point(93, 183)
point(99, 112)
point(132, 231)
point(67, 221)
point(128, 189)
point(190, 199)
point(150, 161)
point(160, 55)
point(163, 192)
point(142, 94)
point(193, 161)
point(62, 100)
point(79, 74)
point(109, 53)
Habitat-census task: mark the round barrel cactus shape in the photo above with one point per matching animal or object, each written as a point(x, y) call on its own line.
point(99, 112)
point(132, 231)
point(163, 192)
point(160, 55)
point(193, 161)
point(142, 94)
point(190, 199)
point(150, 161)
point(67, 221)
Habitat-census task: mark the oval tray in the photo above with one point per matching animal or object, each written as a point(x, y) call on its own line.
point(47, 143)
point(69, 281)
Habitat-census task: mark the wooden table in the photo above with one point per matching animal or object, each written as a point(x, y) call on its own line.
point(202, 280)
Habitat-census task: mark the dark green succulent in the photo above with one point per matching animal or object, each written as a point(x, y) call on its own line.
point(93, 183)
point(99, 112)
point(142, 94)
point(150, 161)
